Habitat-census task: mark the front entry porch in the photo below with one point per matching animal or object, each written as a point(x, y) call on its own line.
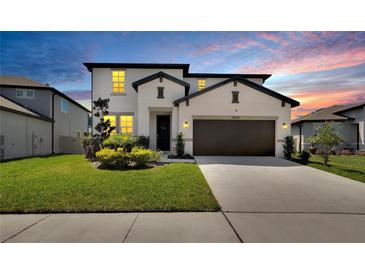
point(161, 128)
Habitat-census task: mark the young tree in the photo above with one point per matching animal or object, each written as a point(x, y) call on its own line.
point(180, 145)
point(93, 144)
point(103, 127)
point(326, 140)
point(288, 147)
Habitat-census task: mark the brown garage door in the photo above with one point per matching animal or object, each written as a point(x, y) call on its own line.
point(234, 137)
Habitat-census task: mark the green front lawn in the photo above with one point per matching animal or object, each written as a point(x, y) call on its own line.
point(69, 183)
point(351, 166)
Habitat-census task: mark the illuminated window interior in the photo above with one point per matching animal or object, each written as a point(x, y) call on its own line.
point(112, 119)
point(118, 80)
point(126, 124)
point(201, 84)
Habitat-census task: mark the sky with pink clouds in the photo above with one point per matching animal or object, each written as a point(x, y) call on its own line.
point(318, 69)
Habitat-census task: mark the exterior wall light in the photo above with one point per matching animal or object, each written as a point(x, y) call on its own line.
point(285, 125)
point(186, 125)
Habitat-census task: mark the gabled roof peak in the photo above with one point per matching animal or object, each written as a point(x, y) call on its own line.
point(243, 81)
point(157, 75)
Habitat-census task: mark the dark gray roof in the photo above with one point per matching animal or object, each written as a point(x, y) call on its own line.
point(20, 81)
point(351, 107)
point(323, 114)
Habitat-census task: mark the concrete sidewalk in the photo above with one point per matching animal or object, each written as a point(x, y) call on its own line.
point(181, 227)
point(177, 227)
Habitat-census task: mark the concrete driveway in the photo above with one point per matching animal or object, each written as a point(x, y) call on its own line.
point(268, 199)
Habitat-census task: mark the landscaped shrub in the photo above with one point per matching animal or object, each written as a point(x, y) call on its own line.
point(288, 147)
point(143, 157)
point(180, 145)
point(124, 141)
point(143, 141)
point(304, 156)
point(346, 151)
point(112, 158)
point(91, 145)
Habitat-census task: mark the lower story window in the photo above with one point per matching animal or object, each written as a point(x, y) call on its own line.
point(126, 124)
point(112, 120)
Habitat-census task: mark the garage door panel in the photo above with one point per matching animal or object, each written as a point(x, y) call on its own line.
point(234, 137)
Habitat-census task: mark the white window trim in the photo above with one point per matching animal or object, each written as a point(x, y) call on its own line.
point(63, 99)
point(124, 92)
point(119, 121)
point(24, 92)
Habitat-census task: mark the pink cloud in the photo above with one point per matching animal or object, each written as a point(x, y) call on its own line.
point(313, 100)
point(235, 45)
point(276, 38)
point(79, 95)
point(324, 60)
point(207, 49)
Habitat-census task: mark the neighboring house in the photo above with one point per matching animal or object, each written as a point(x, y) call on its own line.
point(348, 127)
point(68, 119)
point(218, 114)
point(23, 132)
point(357, 114)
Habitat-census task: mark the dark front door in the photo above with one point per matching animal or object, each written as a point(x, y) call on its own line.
point(234, 137)
point(163, 132)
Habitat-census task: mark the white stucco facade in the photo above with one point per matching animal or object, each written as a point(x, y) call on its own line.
point(253, 105)
point(144, 105)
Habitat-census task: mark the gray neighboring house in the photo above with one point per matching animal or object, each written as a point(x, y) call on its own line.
point(64, 121)
point(349, 120)
point(357, 114)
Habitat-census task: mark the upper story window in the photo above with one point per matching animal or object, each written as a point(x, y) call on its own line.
point(201, 84)
point(64, 105)
point(118, 81)
point(112, 119)
point(25, 93)
point(126, 124)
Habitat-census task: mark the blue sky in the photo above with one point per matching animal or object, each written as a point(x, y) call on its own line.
point(316, 68)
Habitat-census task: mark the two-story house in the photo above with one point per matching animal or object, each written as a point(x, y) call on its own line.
point(37, 119)
point(218, 114)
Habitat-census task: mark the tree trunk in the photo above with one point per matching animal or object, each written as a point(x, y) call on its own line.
point(325, 159)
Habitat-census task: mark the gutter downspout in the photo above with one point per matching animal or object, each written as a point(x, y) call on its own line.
point(53, 122)
point(91, 107)
point(300, 138)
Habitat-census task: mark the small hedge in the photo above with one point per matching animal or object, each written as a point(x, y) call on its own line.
point(120, 159)
point(142, 157)
point(304, 157)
